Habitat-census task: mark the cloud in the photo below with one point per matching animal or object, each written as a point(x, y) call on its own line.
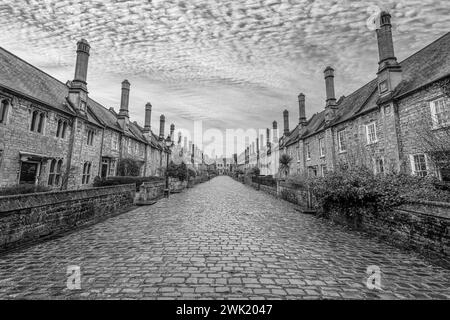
point(232, 64)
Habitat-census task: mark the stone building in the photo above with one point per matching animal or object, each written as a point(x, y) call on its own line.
point(383, 124)
point(54, 134)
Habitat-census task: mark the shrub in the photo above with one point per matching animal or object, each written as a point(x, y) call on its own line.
point(192, 172)
point(359, 186)
point(22, 189)
point(253, 171)
point(128, 167)
point(177, 171)
point(114, 181)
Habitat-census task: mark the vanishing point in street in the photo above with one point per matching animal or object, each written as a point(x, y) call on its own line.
point(220, 240)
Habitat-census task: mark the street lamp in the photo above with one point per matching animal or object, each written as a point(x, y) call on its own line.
point(169, 143)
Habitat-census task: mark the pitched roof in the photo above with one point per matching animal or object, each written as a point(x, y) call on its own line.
point(19, 76)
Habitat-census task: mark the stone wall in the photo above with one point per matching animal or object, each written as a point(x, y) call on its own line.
point(421, 226)
point(27, 218)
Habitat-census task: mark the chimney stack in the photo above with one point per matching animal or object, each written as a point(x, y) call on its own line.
point(78, 86)
point(268, 137)
point(329, 85)
point(162, 121)
point(124, 99)
point(172, 129)
point(275, 132)
point(302, 111)
point(148, 118)
point(81, 66)
point(330, 106)
point(389, 71)
point(286, 122)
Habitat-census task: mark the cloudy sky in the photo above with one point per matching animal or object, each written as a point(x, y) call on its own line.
point(231, 64)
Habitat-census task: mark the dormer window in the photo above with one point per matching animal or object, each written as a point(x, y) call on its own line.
point(83, 106)
point(383, 87)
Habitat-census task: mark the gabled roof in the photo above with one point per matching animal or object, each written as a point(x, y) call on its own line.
point(420, 69)
point(23, 78)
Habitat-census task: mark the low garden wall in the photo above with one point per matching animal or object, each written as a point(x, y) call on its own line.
point(421, 226)
point(29, 217)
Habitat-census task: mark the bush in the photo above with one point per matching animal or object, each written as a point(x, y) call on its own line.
point(192, 172)
point(128, 167)
point(253, 171)
point(114, 181)
point(359, 186)
point(177, 171)
point(23, 189)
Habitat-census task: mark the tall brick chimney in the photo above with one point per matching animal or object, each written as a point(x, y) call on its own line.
point(286, 122)
point(78, 87)
point(123, 117)
point(172, 130)
point(162, 121)
point(267, 137)
point(148, 118)
point(301, 109)
point(389, 71)
point(124, 99)
point(81, 66)
point(275, 131)
point(331, 105)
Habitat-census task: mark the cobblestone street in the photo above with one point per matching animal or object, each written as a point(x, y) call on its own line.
point(220, 239)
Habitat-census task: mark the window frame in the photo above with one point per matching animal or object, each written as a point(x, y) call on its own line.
point(308, 151)
point(321, 147)
point(340, 142)
point(433, 109)
point(368, 133)
point(5, 105)
point(414, 170)
point(86, 173)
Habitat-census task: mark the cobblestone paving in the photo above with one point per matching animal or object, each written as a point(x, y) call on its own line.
point(222, 240)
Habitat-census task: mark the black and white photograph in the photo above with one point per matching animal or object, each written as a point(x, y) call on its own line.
point(224, 155)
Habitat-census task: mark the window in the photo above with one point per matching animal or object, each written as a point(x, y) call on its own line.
point(54, 176)
point(130, 145)
point(61, 130)
point(83, 106)
point(58, 172)
point(383, 86)
point(308, 152)
point(86, 173)
point(3, 110)
point(90, 137)
point(341, 141)
point(321, 147)
point(112, 168)
point(323, 169)
point(440, 112)
point(379, 166)
point(312, 171)
point(114, 141)
point(371, 133)
point(419, 165)
point(52, 172)
point(37, 121)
